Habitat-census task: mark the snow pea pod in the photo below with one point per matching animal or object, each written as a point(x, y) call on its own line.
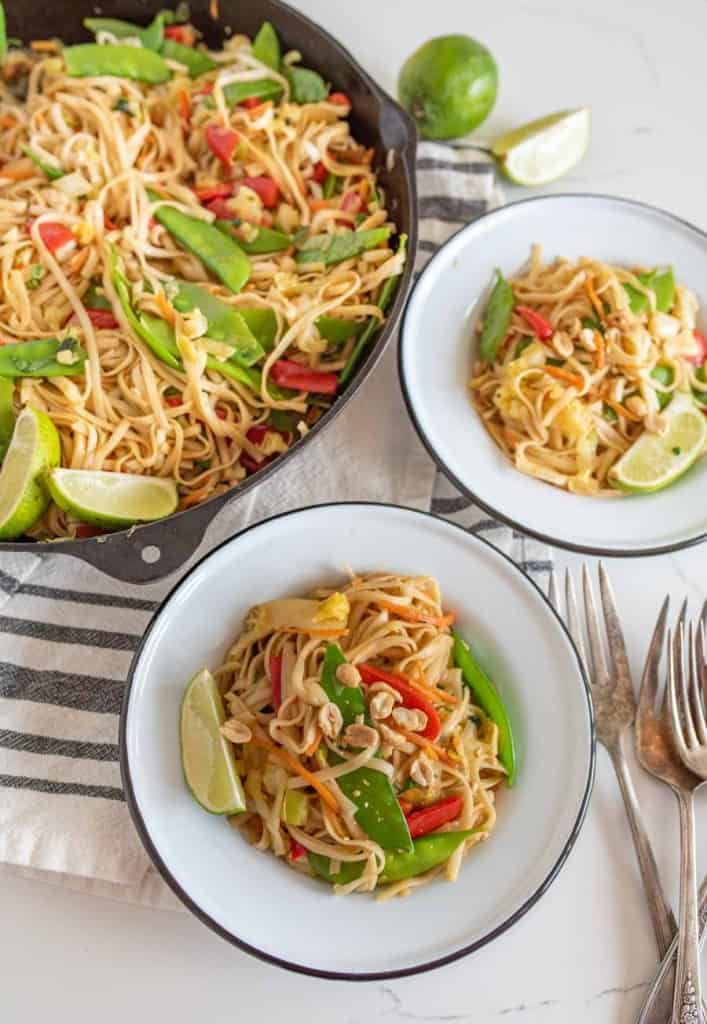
point(664, 375)
point(427, 852)
point(7, 414)
point(262, 322)
point(377, 809)
point(157, 334)
point(661, 283)
point(496, 319)
point(266, 240)
point(52, 172)
point(3, 33)
point(150, 37)
point(216, 250)
point(330, 185)
point(266, 46)
point(336, 330)
point(225, 323)
point(489, 700)
point(89, 60)
point(305, 86)
point(41, 358)
point(329, 249)
point(386, 295)
point(349, 699)
point(195, 61)
point(261, 89)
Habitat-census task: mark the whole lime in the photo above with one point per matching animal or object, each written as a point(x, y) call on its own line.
point(449, 86)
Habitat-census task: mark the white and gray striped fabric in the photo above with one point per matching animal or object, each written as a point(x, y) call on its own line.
point(67, 632)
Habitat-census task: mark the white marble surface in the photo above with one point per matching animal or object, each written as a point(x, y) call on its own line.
point(585, 953)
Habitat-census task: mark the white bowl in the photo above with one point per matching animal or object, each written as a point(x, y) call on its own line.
point(255, 900)
point(438, 345)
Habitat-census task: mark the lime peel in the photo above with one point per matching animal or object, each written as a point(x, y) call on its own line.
point(24, 498)
point(655, 461)
point(208, 761)
point(112, 499)
point(545, 149)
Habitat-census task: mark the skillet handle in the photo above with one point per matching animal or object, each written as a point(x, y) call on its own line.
point(148, 553)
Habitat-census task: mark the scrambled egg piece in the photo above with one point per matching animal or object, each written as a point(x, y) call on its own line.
point(336, 607)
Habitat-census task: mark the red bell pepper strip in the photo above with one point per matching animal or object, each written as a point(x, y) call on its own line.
point(204, 90)
point(340, 99)
point(174, 400)
point(287, 374)
point(249, 464)
point(412, 698)
point(701, 355)
point(276, 679)
point(429, 819)
point(220, 208)
point(250, 102)
point(258, 433)
point(183, 34)
point(55, 236)
point(265, 187)
point(320, 172)
point(222, 142)
point(542, 327)
point(352, 202)
point(102, 318)
point(296, 850)
point(88, 530)
point(222, 190)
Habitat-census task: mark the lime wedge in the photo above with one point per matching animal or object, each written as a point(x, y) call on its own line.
point(207, 757)
point(654, 461)
point(23, 494)
point(543, 150)
point(112, 499)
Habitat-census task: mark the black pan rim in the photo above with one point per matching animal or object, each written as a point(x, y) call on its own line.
point(82, 547)
point(514, 524)
point(182, 895)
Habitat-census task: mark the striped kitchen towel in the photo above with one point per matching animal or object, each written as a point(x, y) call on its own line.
point(67, 632)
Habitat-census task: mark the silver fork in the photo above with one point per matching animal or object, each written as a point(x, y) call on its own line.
point(689, 730)
point(614, 710)
point(657, 1006)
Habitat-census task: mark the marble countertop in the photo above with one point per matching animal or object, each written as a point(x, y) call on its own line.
point(586, 952)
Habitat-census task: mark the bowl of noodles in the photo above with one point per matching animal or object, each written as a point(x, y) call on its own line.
point(208, 228)
point(398, 764)
point(566, 392)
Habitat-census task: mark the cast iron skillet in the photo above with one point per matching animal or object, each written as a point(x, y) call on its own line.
point(151, 552)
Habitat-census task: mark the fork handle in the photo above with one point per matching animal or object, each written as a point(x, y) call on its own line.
point(657, 1007)
point(662, 917)
point(688, 988)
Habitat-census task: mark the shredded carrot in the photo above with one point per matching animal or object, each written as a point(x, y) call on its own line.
point(213, 9)
point(166, 311)
point(621, 410)
point(311, 750)
point(184, 105)
point(78, 259)
point(364, 188)
point(44, 46)
point(413, 615)
point(601, 349)
point(564, 375)
point(8, 121)
point(18, 171)
point(435, 752)
point(594, 299)
point(319, 204)
point(431, 692)
point(194, 498)
point(286, 758)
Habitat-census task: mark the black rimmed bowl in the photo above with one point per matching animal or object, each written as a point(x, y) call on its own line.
point(254, 900)
point(439, 345)
point(151, 552)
